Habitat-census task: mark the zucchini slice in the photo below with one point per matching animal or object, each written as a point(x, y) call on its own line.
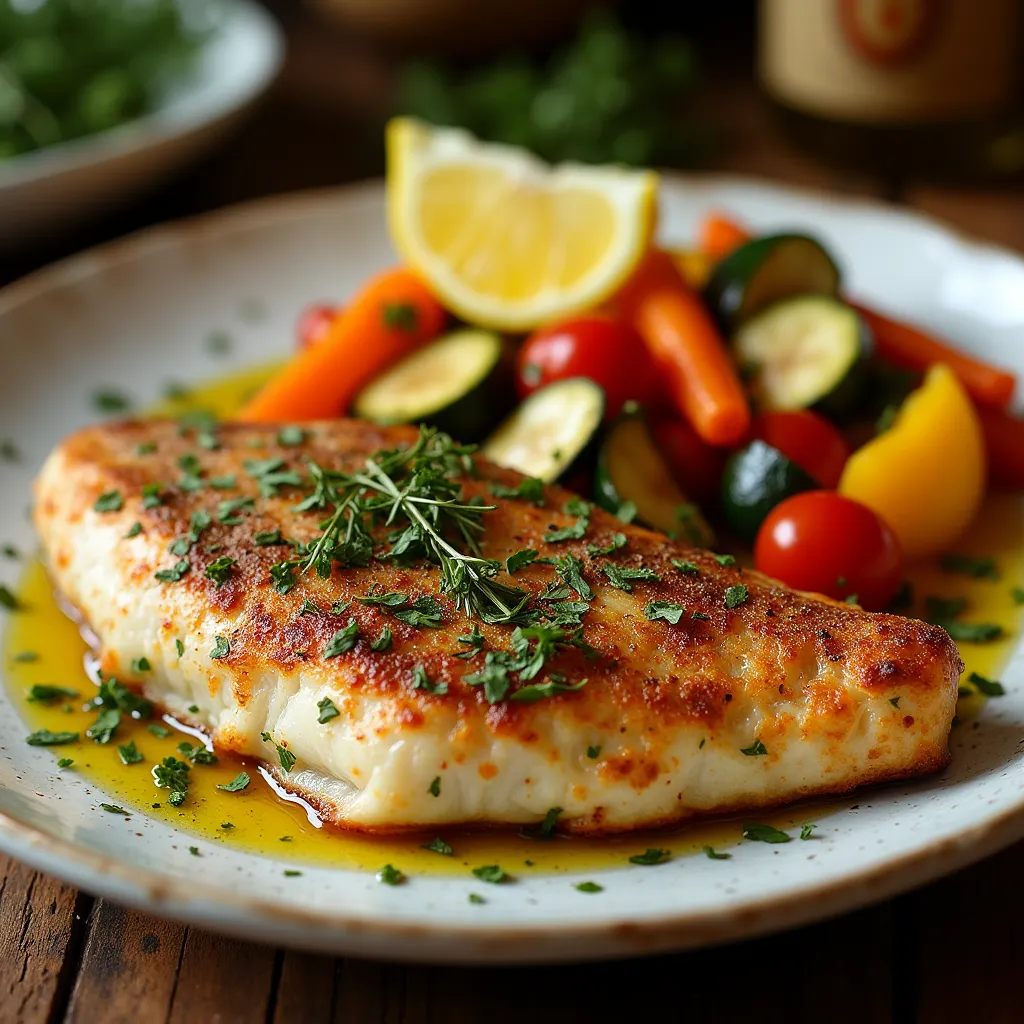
point(756, 479)
point(768, 269)
point(630, 469)
point(551, 431)
point(460, 383)
point(808, 352)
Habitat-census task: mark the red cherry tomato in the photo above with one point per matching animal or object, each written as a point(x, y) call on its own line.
point(833, 545)
point(606, 350)
point(695, 465)
point(806, 438)
point(315, 322)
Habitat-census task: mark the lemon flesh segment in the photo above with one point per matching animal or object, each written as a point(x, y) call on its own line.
point(506, 240)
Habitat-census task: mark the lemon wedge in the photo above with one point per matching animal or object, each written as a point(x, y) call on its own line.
point(504, 239)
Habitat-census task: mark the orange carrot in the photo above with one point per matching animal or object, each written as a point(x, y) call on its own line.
point(1004, 446)
point(686, 344)
point(719, 235)
point(393, 314)
point(912, 349)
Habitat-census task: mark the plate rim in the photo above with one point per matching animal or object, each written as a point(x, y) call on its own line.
point(485, 941)
point(209, 106)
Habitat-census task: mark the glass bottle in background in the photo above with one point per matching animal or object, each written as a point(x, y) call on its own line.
point(903, 87)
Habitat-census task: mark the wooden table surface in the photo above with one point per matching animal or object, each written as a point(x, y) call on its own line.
point(948, 952)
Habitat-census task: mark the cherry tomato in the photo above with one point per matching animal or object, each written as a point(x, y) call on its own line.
point(833, 545)
point(606, 350)
point(315, 322)
point(806, 438)
point(695, 465)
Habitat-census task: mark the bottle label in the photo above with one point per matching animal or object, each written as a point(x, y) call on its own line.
point(889, 61)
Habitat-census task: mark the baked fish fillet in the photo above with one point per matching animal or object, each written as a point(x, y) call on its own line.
point(751, 699)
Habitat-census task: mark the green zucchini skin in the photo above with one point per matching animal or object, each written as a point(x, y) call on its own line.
point(740, 285)
point(756, 479)
point(629, 448)
point(576, 399)
point(471, 408)
point(838, 397)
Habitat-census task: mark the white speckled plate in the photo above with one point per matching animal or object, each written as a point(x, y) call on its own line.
point(52, 187)
point(136, 313)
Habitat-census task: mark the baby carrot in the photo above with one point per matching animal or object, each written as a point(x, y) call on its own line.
point(719, 235)
point(685, 343)
point(912, 349)
point(393, 314)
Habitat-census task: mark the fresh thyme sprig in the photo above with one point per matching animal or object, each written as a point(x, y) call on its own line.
point(415, 491)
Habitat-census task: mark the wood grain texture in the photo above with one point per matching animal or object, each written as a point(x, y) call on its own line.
point(306, 988)
point(130, 961)
point(39, 940)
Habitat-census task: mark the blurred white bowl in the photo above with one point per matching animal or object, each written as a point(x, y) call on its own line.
point(51, 188)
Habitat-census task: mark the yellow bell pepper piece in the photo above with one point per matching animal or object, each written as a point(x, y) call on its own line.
point(926, 475)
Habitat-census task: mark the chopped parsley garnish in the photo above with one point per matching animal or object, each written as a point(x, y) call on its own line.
point(339, 607)
point(971, 632)
point(725, 560)
point(401, 316)
point(45, 738)
point(519, 559)
point(103, 728)
point(618, 540)
point(622, 577)
point(756, 749)
point(221, 648)
point(434, 789)
point(8, 600)
point(550, 823)
point(593, 753)
point(712, 854)
point(237, 784)
point(106, 400)
point(491, 873)
point(574, 507)
point(944, 607)
point(175, 573)
point(688, 568)
point(473, 640)
point(474, 898)
point(589, 887)
point(194, 708)
point(390, 875)
point(179, 647)
point(220, 570)
point(989, 687)
point(268, 538)
point(180, 546)
point(228, 509)
point(159, 731)
point(670, 611)
point(570, 569)
point(129, 753)
point(895, 701)
point(114, 808)
point(291, 873)
point(1017, 593)
point(271, 475)
point(764, 833)
point(807, 830)
point(196, 753)
point(133, 531)
point(421, 681)
point(45, 693)
point(529, 489)
point(383, 642)
point(65, 762)
point(736, 595)
point(282, 574)
point(151, 496)
point(291, 437)
point(978, 568)
point(141, 665)
point(343, 640)
point(327, 710)
point(651, 856)
point(626, 511)
point(146, 448)
point(438, 845)
point(422, 611)
point(285, 756)
point(109, 501)
point(172, 774)
point(224, 483)
point(194, 850)
point(309, 608)
point(540, 691)
point(227, 826)
point(25, 656)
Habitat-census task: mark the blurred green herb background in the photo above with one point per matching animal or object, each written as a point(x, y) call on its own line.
point(70, 68)
point(609, 95)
